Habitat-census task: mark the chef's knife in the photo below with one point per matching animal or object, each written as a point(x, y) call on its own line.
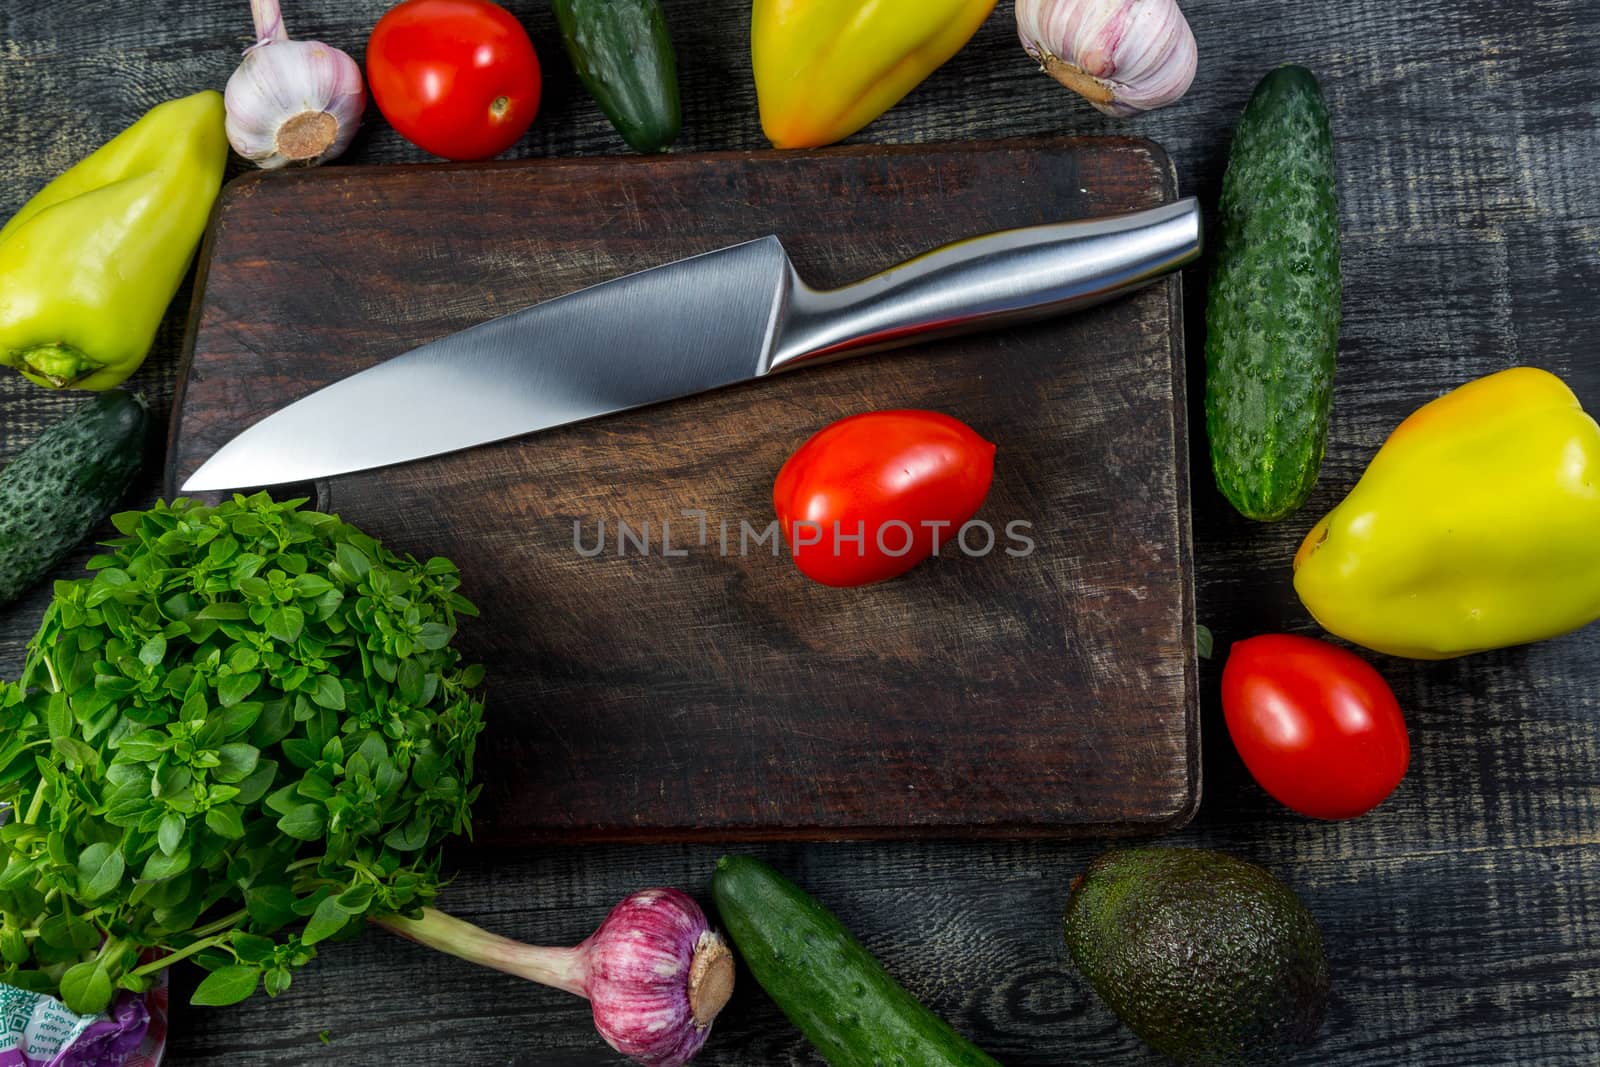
point(733, 315)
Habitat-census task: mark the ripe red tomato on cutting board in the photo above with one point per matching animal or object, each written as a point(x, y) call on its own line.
point(458, 78)
point(1316, 725)
point(869, 497)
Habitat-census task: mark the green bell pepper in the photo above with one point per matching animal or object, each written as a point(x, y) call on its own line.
point(89, 265)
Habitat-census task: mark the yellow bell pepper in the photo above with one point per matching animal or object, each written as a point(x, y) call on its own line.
point(826, 68)
point(1477, 526)
point(89, 265)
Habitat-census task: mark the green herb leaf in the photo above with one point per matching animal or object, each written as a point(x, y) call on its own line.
point(162, 865)
point(100, 870)
point(275, 723)
point(285, 623)
point(69, 932)
point(252, 948)
point(13, 946)
point(328, 692)
point(136, 983)
point(238, 718)
point(61, 849)
point(114, 686)
point(58, 715)
point(410, 837)
point(184, 803)
point(78, 753)
point(247, 563)
point(311, 585)
point(226, 985)
point(127, 811)
point(411, 680)
point(170, 834)
point(235, 761)
point(254, 588)
point(235, 687)
point(357, 898)
point(327, 920)
point(353, 564)
point(304, 822)
point(302, 752)
point(171, 781)
point(154, 651)
point(276, 981)
point(86, 988)
point(127, 522)
point(270, 906)
point(225, 821)
point(195, 709)
point(256, 784)
point(145, 745)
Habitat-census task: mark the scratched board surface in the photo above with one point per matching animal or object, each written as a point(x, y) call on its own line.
point(1461, 918)
point(651, 677)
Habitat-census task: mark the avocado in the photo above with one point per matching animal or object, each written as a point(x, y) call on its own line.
point(1206, 957)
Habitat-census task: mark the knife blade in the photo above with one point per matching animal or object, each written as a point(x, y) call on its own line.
point(711, 320)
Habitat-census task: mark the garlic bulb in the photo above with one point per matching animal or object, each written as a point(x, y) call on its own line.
point(291, 101)
point(1124, 56)
point(654, 971)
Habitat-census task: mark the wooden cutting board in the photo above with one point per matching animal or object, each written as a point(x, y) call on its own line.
point(717, 695)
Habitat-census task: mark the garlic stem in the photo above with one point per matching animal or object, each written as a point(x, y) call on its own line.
point(566, 969)
point(268, 17)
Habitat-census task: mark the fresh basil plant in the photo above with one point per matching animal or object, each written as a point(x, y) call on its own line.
point(246, 732)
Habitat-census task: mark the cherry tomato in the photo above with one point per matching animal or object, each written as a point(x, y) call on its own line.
point(1316, 725)
point(458, 78)
point(869, 497)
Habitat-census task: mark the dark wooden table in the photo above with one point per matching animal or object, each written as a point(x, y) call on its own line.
point(1462, 917)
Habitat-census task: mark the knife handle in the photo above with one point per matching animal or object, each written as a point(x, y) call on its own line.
point(982, 282)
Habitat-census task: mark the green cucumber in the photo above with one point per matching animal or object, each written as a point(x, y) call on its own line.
point(1272, 320)
point(64, 484)
point(623, 55)
point(824, 981)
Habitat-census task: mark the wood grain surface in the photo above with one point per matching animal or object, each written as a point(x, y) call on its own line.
point(716, 693)
point(1462, 917)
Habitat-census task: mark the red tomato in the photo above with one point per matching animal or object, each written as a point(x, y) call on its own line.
point(458, 78)
point(903, 482)
point(1318, 727)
